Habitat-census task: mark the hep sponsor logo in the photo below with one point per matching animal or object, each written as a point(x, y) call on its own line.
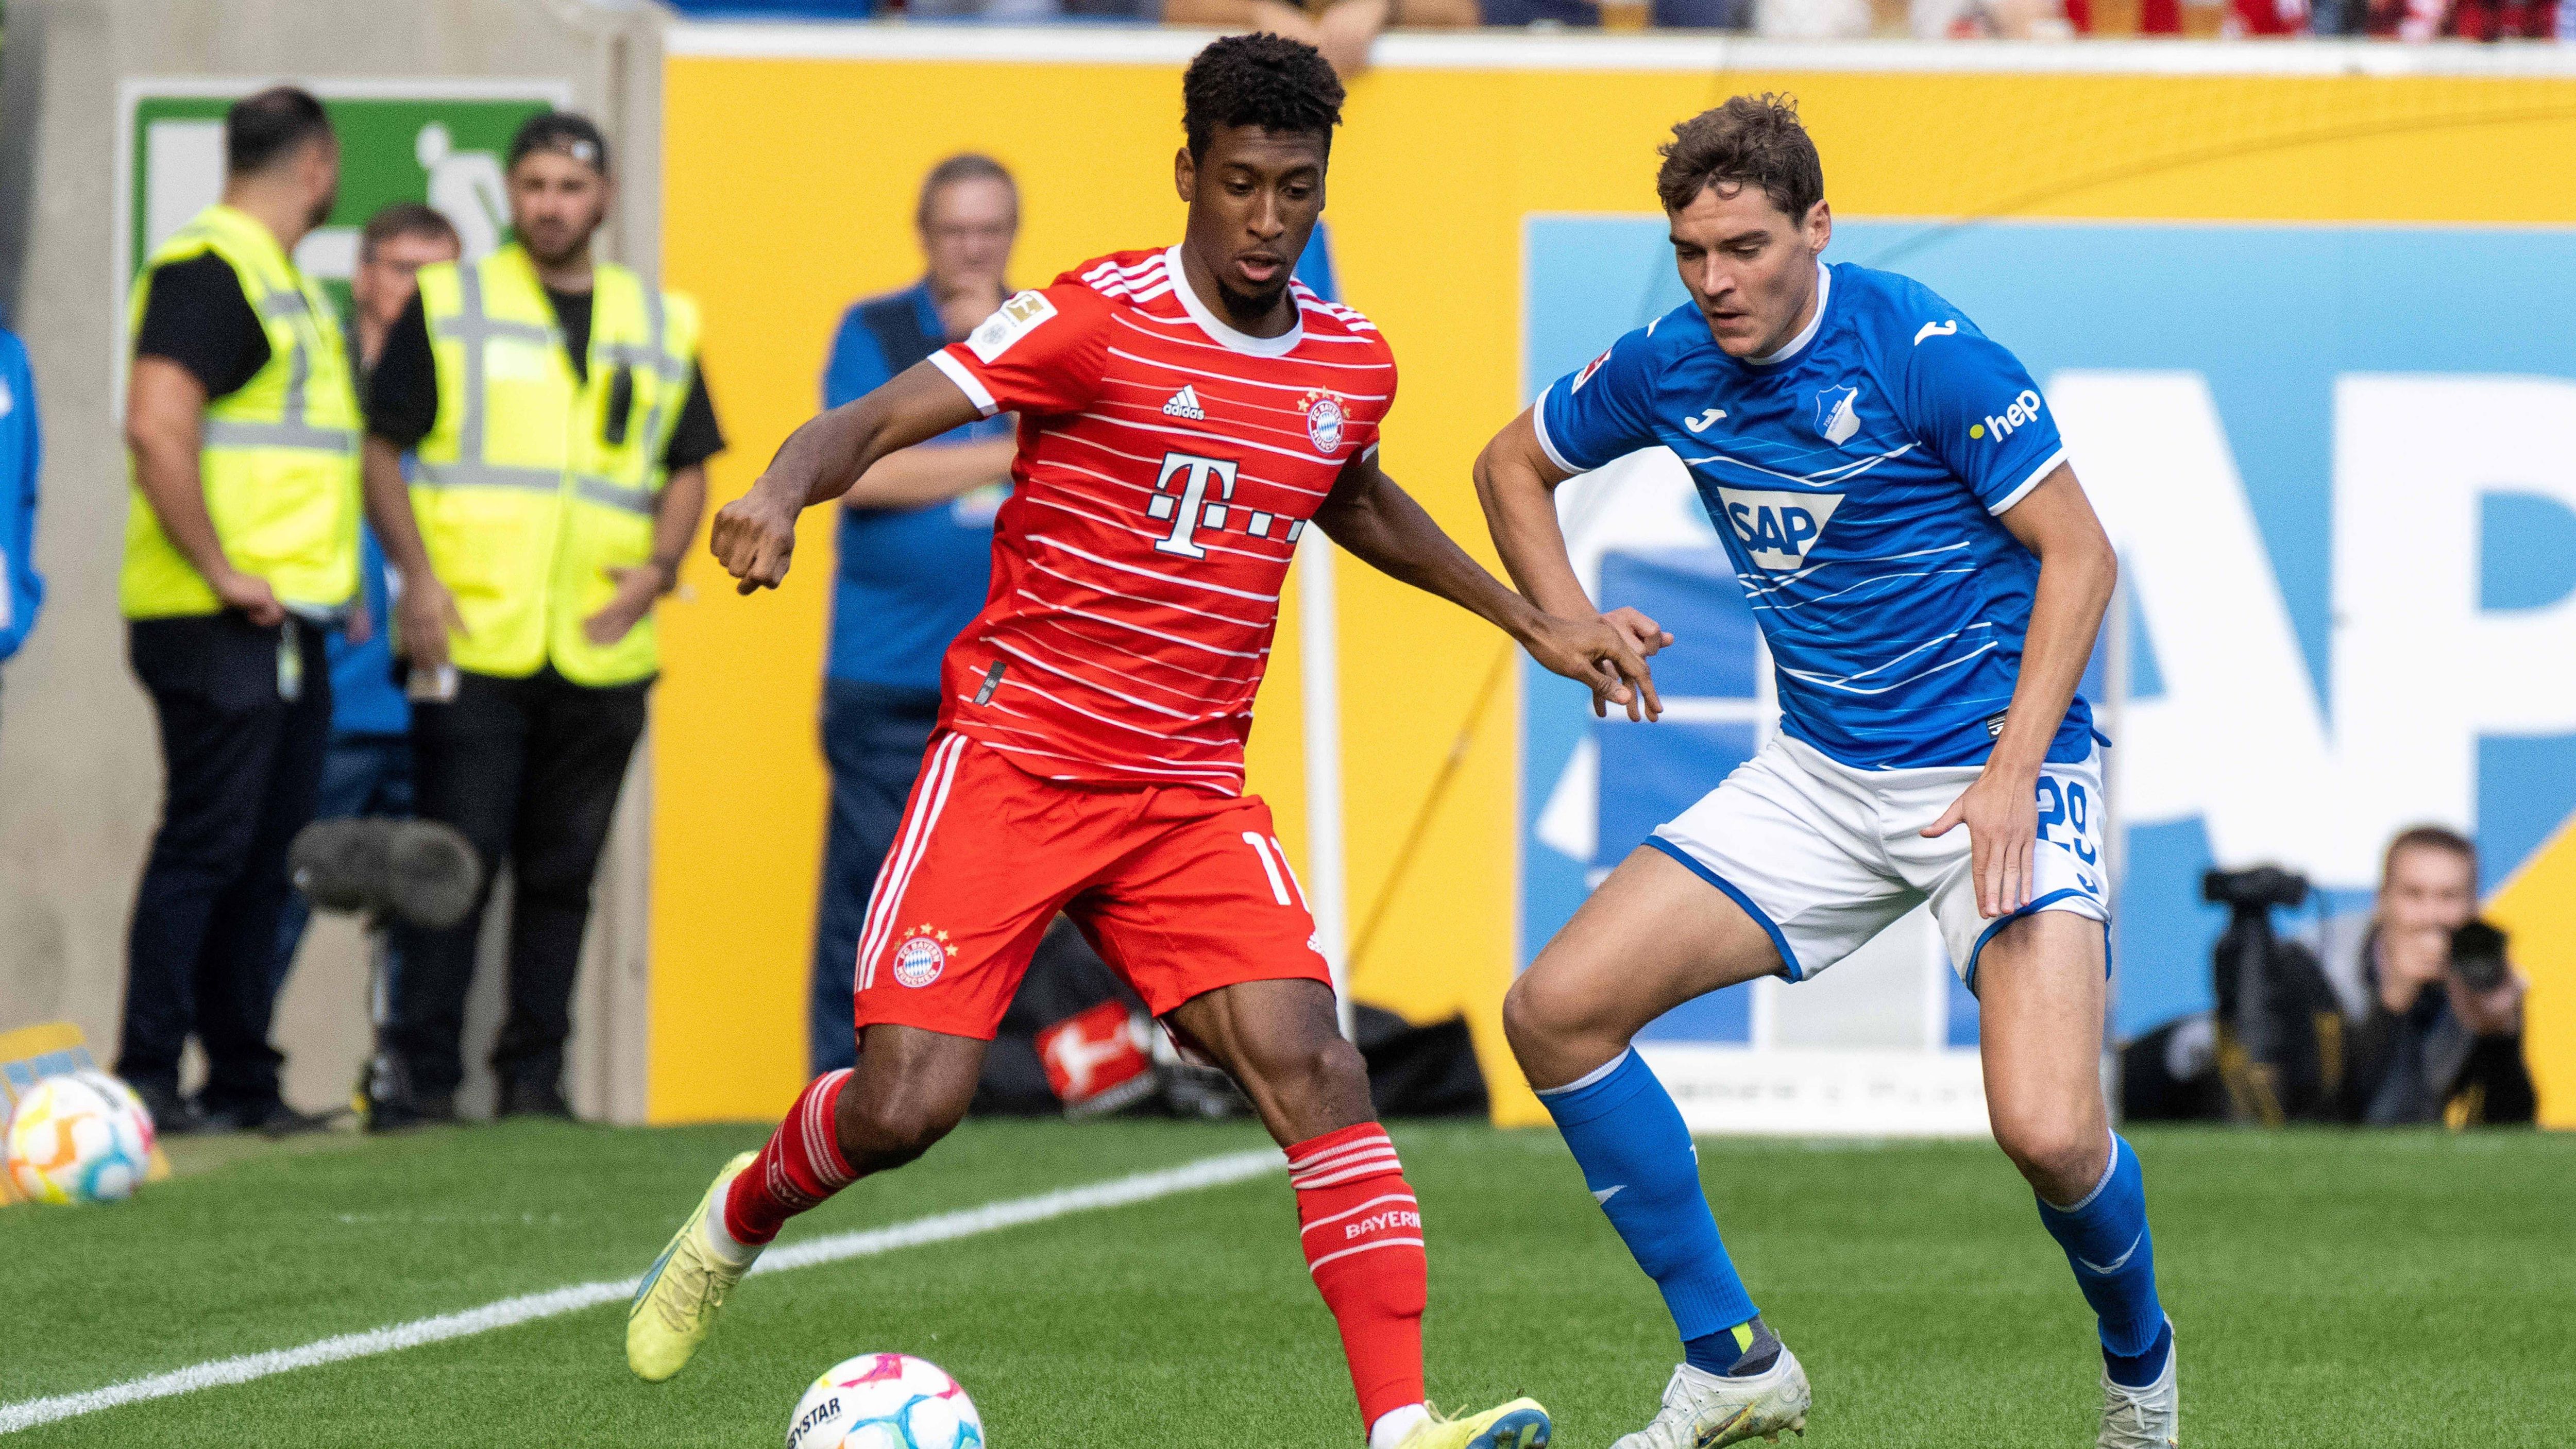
point(1386, 1221)
point(2024, 409)
point(1777, 528)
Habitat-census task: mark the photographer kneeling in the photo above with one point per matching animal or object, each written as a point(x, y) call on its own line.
point(2440, 1035)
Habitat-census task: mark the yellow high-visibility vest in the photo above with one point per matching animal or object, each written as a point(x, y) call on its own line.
point(279, 455)
point(530, 485)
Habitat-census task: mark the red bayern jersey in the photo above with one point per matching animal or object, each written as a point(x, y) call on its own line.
point(1167, 467)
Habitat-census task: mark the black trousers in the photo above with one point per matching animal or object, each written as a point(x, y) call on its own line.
point(529, 770)
point(244, 767)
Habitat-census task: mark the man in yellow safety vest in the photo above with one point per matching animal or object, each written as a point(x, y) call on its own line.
point(241, 553)
point(560, 425)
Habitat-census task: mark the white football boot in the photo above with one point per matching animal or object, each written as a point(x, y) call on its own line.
point(2143, 1418)
point(1705, 1410)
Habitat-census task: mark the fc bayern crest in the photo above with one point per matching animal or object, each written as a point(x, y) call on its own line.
point(919, 960)
point(1324, 424)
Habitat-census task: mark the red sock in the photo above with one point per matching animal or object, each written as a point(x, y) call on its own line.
point(800, 1166)
point(1363, 1240)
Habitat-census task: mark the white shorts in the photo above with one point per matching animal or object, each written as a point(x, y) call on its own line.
point(1824, 856)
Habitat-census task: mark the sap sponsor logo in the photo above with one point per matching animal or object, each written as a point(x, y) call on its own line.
point(1838, 414)
point(2024, 409)
point(1585, 375)
point(2318, 767)
point(1382, 1222)
point(1018, 318)
point(1935, 329)
point(1777, 528)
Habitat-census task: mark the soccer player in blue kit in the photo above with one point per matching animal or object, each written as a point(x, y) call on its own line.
point(1890, 486)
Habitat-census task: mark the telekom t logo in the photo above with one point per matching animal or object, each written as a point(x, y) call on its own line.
point(1189, 511)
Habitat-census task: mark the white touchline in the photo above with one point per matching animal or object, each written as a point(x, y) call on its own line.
point(992, 1217)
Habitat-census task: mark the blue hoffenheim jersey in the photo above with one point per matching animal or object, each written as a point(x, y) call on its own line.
point(1856, 478)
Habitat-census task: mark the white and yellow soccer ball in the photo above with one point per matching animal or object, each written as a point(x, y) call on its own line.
point(885, 1401)
point(79, 1137)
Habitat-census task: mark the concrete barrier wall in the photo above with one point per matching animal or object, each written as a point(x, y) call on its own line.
point(79, 769)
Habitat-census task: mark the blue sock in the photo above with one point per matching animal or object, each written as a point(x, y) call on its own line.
point(1638, 1161)
point(2106, 1241)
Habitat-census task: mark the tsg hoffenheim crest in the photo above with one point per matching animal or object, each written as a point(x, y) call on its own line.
point(1837, 413)
point(1324, 422)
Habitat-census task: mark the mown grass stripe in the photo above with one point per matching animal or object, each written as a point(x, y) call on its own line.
point(945, 1227)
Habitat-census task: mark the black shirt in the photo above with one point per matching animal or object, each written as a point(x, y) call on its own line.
point(402, 396)
point(196, 315)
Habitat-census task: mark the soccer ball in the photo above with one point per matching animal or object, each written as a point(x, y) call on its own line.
point(885, 1401)
point(80, 1137)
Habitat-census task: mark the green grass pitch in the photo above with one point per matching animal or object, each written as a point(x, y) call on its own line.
point(2391, 1290)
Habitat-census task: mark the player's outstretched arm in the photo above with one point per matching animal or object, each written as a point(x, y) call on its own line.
point(1381, 524)
point(1516, 482)
point(2077, 569)
point(755, 534)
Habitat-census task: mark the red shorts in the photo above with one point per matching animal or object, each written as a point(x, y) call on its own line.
point(1180, 891)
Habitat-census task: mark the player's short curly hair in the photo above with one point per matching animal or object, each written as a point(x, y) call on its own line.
point(1260, 80)
point(1749, 141)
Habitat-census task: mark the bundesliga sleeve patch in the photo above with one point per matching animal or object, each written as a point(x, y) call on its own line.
point(1018, 318)
point(1589, 368)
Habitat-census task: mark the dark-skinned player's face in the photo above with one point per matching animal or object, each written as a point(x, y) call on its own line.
point(1254, 199)
point(1750, 267)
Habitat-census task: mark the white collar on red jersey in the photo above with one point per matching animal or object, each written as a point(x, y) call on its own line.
point(1279, 346)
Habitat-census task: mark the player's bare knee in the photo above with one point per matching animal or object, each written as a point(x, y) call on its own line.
point(2060, 1153)
point(1527, 1024)
point(1544, 1013)
point(888, 1130)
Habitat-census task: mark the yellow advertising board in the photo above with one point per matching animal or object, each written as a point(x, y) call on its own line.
point(792, 154)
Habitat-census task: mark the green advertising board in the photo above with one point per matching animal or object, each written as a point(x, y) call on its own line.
point(435, 141)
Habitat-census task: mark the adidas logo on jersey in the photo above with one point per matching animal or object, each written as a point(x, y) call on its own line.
point(1777, 528)
point(1185, 404)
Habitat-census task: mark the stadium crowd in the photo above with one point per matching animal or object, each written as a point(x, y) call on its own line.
point(1345, 30)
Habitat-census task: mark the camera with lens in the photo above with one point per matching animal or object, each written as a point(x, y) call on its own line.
point(2261, 888)
point(2477, 956)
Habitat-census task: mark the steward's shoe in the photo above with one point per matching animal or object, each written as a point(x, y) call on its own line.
point(523, 1097)
point(1520, 1424)
point(2143, 1418)
point(1705, 1410)
point(676, 1302)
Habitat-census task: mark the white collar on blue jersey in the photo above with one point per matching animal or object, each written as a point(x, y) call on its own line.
point(1806, 334)
point(1279, 346)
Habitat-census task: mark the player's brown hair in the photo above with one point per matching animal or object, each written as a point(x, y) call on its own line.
point(1749, 141)
point(2429, 837)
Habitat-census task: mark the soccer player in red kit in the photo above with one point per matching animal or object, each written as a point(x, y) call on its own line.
point(1185, 415)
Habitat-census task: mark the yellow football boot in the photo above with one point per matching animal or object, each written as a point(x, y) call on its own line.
point(676, 1302)
point(1520, 1424)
